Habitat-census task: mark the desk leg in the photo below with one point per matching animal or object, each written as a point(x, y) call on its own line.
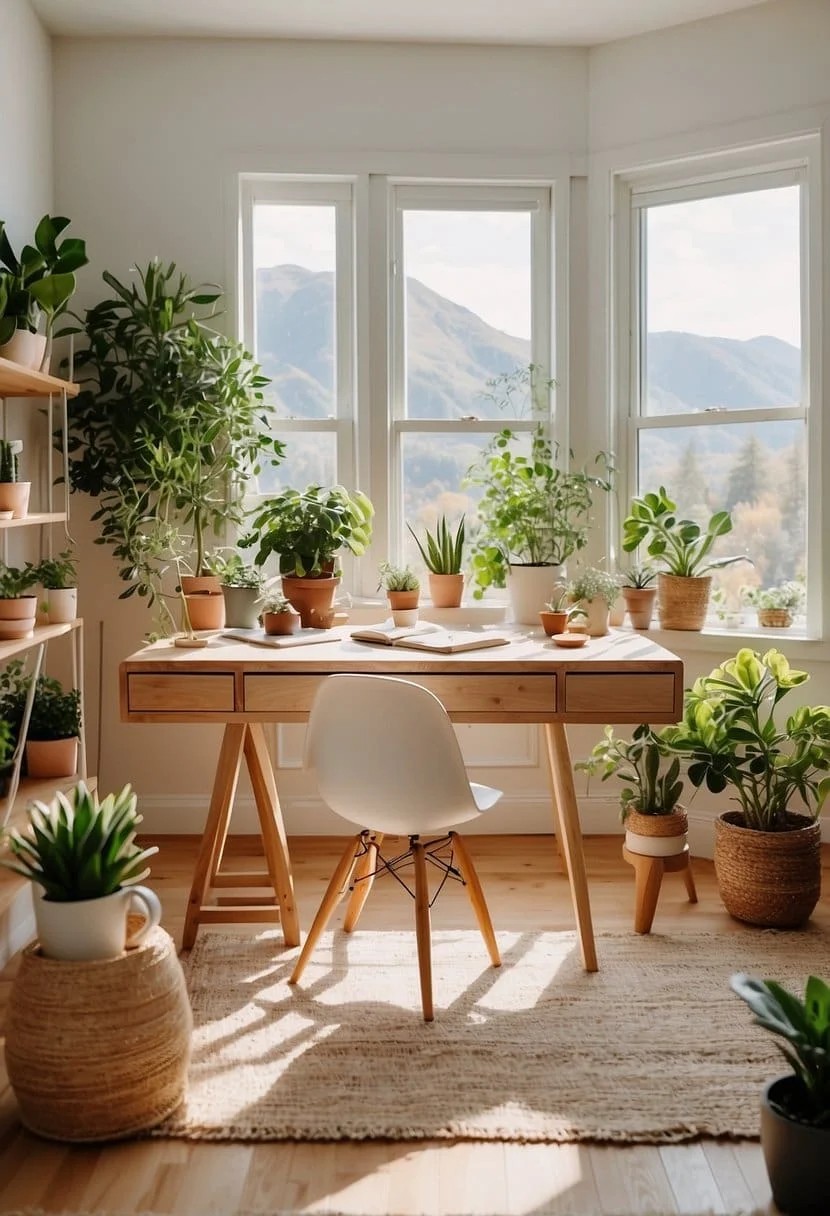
point(570, 835)
point(273, 830)
point(216, 827)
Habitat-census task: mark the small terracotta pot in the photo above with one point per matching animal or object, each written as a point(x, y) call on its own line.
point(554, 622)
point(403, 599)
point(52, 757)
point(639, 604)
point(446, 590)
point(206, 610)
point(280, 623)
point(14, 497)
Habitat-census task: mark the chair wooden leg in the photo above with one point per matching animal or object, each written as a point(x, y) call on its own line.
point(422, 929)
point(334, 893)
point(363, 879)
point(476, 894)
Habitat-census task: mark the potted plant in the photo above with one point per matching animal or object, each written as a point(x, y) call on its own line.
point(41, 281)
point(767, 852)
point(278, 617)
point(559, 613)
point(307, 529)
point(83, 856)
point(596, 591)
point(242, 587)
point(795, 1108)
point(639, 592)
point(443, 552)
point(725, 611)
point(403, 590)
point(169, 428)
point(59, 579)
point(17, 608)
point(14, 494)
point(53, 731)
point(777, 605)
point(533, 512)
point(684, 548)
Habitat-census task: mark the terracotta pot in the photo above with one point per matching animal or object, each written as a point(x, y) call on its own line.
point(446, 590)
point(795, 1154)
point(554, 622)
point(14, 497)
point(682, 603)
point(52, 757)
point(17, 617)
point(639, 604)
point(656, 835)
point(194, 584)
point(313, 598)
point(768, 878)
point(280, 623)
point(206, 610)
point(403, 599)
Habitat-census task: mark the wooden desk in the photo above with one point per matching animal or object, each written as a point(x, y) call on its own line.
point(622, 678)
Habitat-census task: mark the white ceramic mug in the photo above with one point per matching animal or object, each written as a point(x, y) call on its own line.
point(87, 929)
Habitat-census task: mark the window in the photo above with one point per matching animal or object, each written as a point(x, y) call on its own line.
point(715, 383)
point(420, 293)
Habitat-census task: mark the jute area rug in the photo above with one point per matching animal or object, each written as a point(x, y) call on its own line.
point(653, 1048)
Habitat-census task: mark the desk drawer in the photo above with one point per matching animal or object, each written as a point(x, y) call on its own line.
point(468, 694)
point(631, 697)
point(173, 693)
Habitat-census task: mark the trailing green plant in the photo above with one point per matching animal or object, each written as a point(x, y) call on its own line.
point(595, 584)
point(397, 578)
point(9, 463)
point(654, 784)
point(789, 596)
point(307, 528)
point(233, 571)
point(78, 847)
point(532, 511)
point(442, 550)
point(41, 280)
point(58, 573)
point(15, 581)
point(639, 577)
point(730, 738)
point(169, 428)
point(682, 546)
point(805, 1027)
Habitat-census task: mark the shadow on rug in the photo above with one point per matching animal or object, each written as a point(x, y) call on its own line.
point(654, 1048)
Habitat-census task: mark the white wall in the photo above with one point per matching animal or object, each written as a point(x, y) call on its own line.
point(149, 135)
point(26, 104)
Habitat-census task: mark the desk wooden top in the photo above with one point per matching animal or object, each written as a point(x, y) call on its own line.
point(622, 677)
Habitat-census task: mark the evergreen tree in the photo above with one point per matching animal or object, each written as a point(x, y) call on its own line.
point(687, 486)
point(748, 478)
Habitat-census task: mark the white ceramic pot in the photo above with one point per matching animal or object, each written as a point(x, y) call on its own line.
point(597, 612)
point(655, 846)
point(25, 348)
point(61, 604)
point(404, 617)
point(530, 588)
point(87, 929)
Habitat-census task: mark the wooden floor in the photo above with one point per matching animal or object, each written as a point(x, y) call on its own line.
point(525, 889)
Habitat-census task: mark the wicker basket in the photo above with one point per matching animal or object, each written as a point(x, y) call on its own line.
point(775, 618)
point(682, 603)
point(768, 878)
point(656, 835)
point(99, 1051)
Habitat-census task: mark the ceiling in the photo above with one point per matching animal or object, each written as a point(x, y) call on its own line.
point(523, 22)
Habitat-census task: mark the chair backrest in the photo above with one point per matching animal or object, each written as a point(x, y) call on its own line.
point(386, 755)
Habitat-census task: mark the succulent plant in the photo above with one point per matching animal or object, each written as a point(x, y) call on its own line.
point(398, 578)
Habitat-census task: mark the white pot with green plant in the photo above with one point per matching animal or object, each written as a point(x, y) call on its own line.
point(595, 591)
point(403, 591)
point(307, 530)
point(38, 283)
point(18, 608)
point(534, 511)
point(169, 429)
point(684, 549)
point(655, 822)
point(777, 606)
point(795, 1107)
point(59, 580)
point(14, 493)
point(82, 856)
point(768, 851)
point(442, 551)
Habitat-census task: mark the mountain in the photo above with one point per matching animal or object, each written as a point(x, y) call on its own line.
point(692, 372)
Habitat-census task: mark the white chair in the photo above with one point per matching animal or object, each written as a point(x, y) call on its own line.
point(385, 754)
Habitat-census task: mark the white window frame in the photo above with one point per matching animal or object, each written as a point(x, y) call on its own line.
point(788, 162)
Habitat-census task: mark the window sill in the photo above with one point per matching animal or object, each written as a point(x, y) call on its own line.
point(794, 644)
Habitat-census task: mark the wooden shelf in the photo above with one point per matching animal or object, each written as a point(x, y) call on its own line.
point(42, 633)
point(17, 381)
point(35, 517)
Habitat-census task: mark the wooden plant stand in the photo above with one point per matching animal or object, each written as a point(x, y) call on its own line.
point(648, 875)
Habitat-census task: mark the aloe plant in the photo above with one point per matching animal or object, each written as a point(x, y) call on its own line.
point(79, 848)
point(442, 550)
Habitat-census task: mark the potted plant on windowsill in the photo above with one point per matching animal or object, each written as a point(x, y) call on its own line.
point(443, 553)
point(14, 493)
point(17, 608)
point(776, 606)
point(59, 579)
point(767, 852)
point(596, 591)
point(795, 1108)
point(684, 548)
point(307, 529)
point(403, 590)
point(534, 513)
point(639, 594)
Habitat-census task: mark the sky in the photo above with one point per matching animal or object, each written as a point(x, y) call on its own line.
point(720, 267)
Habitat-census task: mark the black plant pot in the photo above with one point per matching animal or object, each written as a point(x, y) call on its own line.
point(796, 1154)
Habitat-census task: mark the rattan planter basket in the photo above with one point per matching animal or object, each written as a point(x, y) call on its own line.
point(775, 618)
point(682, 603)
point(99, 1051)
point(768, 878)
point(656, 835)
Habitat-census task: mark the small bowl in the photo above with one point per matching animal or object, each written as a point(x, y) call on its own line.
point(569, 641)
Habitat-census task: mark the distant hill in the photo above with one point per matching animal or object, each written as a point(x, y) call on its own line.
point(690, 372)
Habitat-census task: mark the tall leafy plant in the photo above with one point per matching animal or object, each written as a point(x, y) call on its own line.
point(41, 279)
point(169, 427)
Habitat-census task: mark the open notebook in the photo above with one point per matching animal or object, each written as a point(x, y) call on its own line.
point(426, 636)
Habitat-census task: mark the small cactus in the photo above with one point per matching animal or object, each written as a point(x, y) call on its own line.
point(8, 461)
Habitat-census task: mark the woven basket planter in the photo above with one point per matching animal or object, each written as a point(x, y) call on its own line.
point(682, 603)
point(768, 878)
point(656, 835)
point(775, 618)
point(99, 1051)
